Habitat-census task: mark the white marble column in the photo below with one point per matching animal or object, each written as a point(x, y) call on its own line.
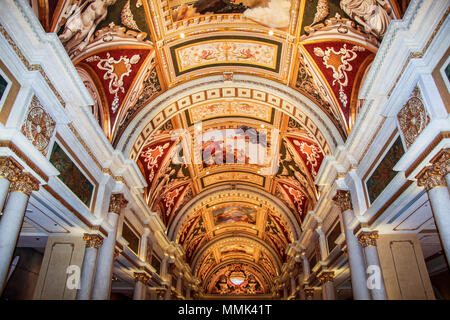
point(167, 294)
point(8, 170)
point(326, 278)
point(188, 293)
point(93, 242)
point(105, 263)
point(368, 240)
point(355, 252)
point(179, 283)
point(141, 279)
point(434, 179)
point(293, 284)
point(322, 243)
point(12, 219)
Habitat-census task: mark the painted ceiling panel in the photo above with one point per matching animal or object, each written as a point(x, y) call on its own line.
point(234, 219)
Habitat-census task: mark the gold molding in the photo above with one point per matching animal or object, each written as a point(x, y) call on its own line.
point(10, 145)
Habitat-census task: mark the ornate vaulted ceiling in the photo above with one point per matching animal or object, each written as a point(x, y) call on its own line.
point(241, 191)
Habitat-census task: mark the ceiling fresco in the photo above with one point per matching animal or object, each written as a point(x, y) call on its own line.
point(230, 169)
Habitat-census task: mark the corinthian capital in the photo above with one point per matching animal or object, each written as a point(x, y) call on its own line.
point(326, 276)
point(368, 238)
point(141, 277)
point(8, 169)
point(93, 240)
point(24, 183)
point(343, 200)
point(432, 177)
point(117, 202)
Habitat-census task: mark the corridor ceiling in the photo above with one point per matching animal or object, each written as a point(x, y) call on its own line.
point(249, 156)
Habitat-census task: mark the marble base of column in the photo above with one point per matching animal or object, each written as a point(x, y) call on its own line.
point(10, 225)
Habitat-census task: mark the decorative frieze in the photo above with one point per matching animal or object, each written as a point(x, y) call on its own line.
point(38, 126)
point(117, 202)
point(413, 118)
point(368, 238)
point(343, 200)
point(93, 240)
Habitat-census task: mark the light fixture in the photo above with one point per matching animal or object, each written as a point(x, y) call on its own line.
point(270, 32)
point(237, 277)
point(262, 126)
point(182, 35)
point(259, 171)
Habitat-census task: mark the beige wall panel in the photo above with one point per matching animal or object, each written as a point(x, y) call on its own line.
point(404, 270)
point(60, 253)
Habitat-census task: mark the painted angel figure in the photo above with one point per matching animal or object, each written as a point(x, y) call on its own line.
point(82, 23)
point(369, 13)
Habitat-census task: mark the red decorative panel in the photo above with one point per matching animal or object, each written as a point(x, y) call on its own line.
point(170, 201)
point(116, 70)
point(151, 158)
point(309, 152)
point(339, 62)
point(297, 197)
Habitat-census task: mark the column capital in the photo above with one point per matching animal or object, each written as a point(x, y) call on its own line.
point(8, 168)
point(117, 202)
point(141, 277)
point(368, 238)
point(443, 160)
point(326, 276)
point(432, 177)
point(343, 200)
point(116, 254)
point(309, 292)
point(24, 183)
point(93, 240)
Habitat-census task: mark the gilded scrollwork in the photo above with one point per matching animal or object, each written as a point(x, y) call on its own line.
point(413, 118)
point(38, 126)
